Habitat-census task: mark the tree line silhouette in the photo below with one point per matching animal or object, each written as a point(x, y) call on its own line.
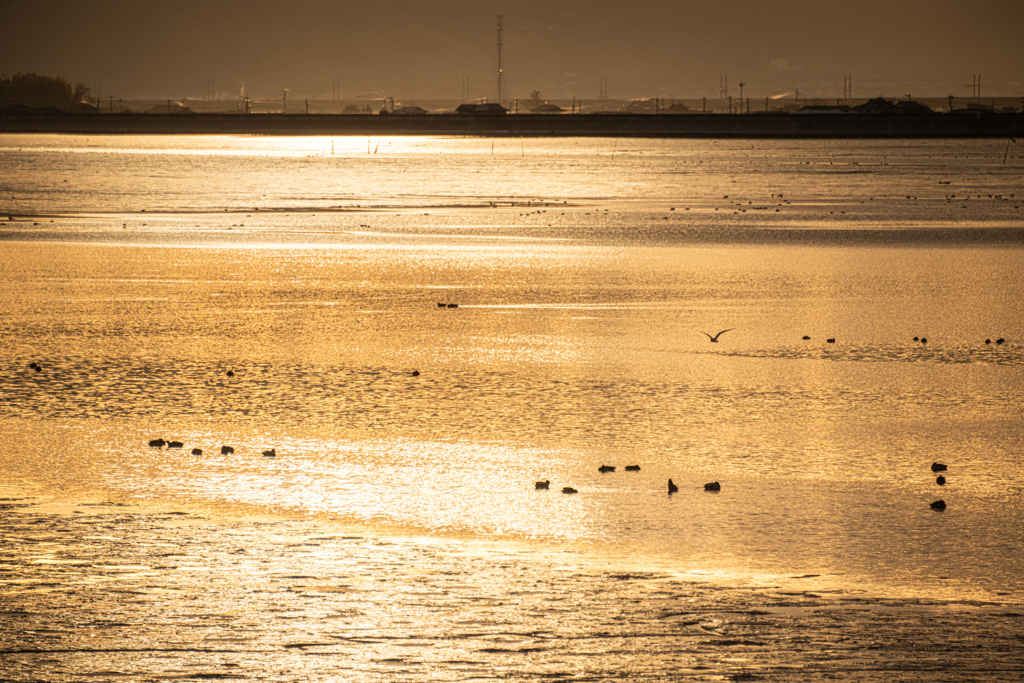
point(33, 90)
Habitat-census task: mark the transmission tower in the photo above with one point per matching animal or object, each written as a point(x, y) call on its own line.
point(501, 74)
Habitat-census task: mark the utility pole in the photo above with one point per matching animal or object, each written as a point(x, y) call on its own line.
point(501, 75)
point(284, 102)
point(741, 96)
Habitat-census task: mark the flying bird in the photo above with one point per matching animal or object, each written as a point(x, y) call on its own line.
point(714, 339)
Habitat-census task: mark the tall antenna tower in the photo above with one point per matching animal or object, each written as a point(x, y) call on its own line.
point(501, 74)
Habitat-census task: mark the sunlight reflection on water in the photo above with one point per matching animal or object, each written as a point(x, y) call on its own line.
point(576, 342)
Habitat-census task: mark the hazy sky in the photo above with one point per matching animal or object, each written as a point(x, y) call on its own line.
point(416, 49)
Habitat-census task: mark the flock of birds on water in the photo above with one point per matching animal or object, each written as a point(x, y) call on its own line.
point(712, 487)
point(715, 487)
point(941, 481)
point(224, 450)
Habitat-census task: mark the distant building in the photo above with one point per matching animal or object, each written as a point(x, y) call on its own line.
point(876, 105)
point(485, 108)
point(824, 109)
point(547, 108)
point(169, 108)
point(25, 109)
point(913, 107)
point(409, 111)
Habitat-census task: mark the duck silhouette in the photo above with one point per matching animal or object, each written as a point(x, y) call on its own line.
point(938, 467)
point(606, 468)
point(713, 486)
point(272, 453)
point(672, 488)
point(197, 451)
point(939, 505)
point(542, 484)
point(632, 468)
point(157, 443)
point(226, 450)
point(569, 489)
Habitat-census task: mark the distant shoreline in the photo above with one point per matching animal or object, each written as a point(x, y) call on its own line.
point(959, 124)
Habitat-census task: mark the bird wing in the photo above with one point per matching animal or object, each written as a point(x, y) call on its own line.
point(723, 332)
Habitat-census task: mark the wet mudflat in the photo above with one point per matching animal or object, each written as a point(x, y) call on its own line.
point(95, 592)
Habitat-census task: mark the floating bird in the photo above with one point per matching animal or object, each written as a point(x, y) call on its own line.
point(453, 305)
point(606, 468)
point(197, 451)
point(938, 467)
point(36, 366)
point(174, 444)
point(415, 373)
point(672, 488)
point(440, 304)
point(998, 341)
point(939, 505)
point(157, 443)
point(713, 486)
point(272, 453)
point(924, 340)
point(231, 373)
point(917, 339)
point(226, 450)
point(830, 340)
point(569, 489)
point(988, 341)
point(940, 480)
point(542, 485)
point(632, 468)
point(806, 337)
point(714, 339)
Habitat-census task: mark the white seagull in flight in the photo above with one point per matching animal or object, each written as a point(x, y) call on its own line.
point(715, 338)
